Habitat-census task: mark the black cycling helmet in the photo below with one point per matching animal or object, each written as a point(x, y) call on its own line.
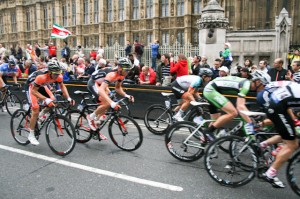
point(206, 72)
point(54, 67)
point(11, 62)
point(125, 63)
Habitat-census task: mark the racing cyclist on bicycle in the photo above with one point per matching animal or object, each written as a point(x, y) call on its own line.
point(124, 65)
point(214, 92)
point(39, 91)
point(277, 98)
point(186, 88)
point(8, 69)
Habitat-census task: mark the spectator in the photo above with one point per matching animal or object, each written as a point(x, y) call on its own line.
point(79, 51)
point(37, 49)
point(263, 66)
point(19, 52)
point(238, 71)
point(66, 52)
point(89, 69)
point(52, 50)
point(133, 75)
point(295, 71)
point(133, 59)
point(13, 51)
point(278, 72)
point(139, 50)
point(80, 67)
point(196, 65)
point(223, 71)
point(100, 51)
point(28, 51)
point(45, 50)
point(248, 63)
point(216, 67)
point(154, 49)
point(29, 68)
point(2, 51)
point(163, 75)
point(204, 63)
point(128, 48)
point(181, 67)
point(227, 55)
point(296, 56)
point(245, 73)
point(41, 64)
point(147, 76)
point(101, 64)
point(253, 68)
point(93, 53)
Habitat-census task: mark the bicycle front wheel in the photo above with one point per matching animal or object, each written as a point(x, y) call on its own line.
point(19, 126)
point(234, 168)
point(82, 129)
point(12, 103)
point(182, 145)
point(157, 119)
point(293, 173)
point(125, 133)
point(60, 135)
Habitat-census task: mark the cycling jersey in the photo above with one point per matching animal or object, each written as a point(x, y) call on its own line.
point(113, 77)
point(6, 70)
point(183, 83)
point(95, 81)
point(233, 85)
point(32, 77)
point(45, 79)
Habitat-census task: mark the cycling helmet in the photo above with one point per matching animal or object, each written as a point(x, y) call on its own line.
point(296, 77)
point(262, 76)
point(206, 72)
point(54, 67)
point(125, 63)
point(11, 62)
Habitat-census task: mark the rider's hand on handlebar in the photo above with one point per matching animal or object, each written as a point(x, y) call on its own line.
point(130, 98)
point(115, 106)
point(48, 102)
point(71, 101)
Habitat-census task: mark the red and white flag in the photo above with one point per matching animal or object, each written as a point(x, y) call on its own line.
point(59, 32)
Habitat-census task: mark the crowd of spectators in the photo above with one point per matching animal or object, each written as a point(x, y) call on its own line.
point(164, 69)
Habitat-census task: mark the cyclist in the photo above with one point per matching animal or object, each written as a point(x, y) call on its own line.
point(214, 91)
point(277, 98)
point(39, 91)
point(8, 69)
point(124, 65)
point(185, 89)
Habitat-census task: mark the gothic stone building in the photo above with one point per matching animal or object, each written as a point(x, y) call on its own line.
point(104, 22)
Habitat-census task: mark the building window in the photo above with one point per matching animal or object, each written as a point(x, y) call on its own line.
point(96, 42)
point(110, 40)
point(1, 25)
point(35, 21)
point(45, 17)
point(180, 37)
point(73, 13)
point(165, 38)
point(180, 7)
point(197, 7)
point(136, 36)
point(165, 8)
point(121, 10)
point(195, 41)
point(96, 11)
point(86, 12)
point(86, 42)
point(121, 40)
point(53, 13)
point(74, 42)
point(149, 8)
point(27, 20)
point(149, 38)
point(135, 9)
point(65, 15)
point(13, 22)
point(109, 10)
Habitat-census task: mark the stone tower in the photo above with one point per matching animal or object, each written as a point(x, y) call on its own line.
point(212, 30)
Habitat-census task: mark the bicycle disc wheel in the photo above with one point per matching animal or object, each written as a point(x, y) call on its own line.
point(125, 133)
point(157, 119)
point(233, 169)
point(293, 173)
point(19, 126)
point(82, 129)
point(182, 148)
point(60, 135)
point(12, 103)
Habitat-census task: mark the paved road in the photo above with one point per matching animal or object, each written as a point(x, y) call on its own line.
point(101, 170)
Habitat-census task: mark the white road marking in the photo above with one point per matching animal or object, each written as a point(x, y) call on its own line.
point(94, 170)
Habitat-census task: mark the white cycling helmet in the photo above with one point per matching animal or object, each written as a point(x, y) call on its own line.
point(262, 76)
point(296, 77)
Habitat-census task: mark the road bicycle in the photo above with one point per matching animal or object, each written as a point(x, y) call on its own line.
point(9, 100)
point(123, 130)
point(60, 132)
point(186, 142)
point(159, 117)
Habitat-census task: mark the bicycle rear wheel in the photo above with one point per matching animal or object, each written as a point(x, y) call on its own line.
point(293, 173)
point(125, 133)
point(157, 119)
point(19, 126)
point(233, 169)
point(60, 135)
point(12, 103)
point(82, 129)
point(182, 148)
